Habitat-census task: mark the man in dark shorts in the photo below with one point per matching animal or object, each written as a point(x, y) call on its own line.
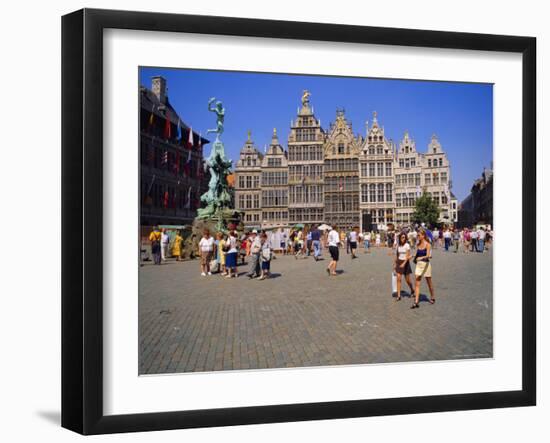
point(333, 241)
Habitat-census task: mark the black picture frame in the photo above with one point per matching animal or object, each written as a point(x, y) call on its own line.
point(82, 217)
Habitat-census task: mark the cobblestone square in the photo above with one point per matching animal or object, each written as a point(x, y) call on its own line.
point(302, 317)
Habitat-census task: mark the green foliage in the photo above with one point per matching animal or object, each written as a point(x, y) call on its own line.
point(426, 210)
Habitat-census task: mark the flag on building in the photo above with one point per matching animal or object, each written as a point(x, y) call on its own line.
point(151, 121)
point(199, 146)
point(164, 160)
point(167, 128)
point(179, 132)
point(188, 200)
point(190, 141)
point(166, 198)
point(187, 166)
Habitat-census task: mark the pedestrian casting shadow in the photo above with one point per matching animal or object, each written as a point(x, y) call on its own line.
point(424, 298)
point(403, 294)
point(53, 417)
point(274, 275)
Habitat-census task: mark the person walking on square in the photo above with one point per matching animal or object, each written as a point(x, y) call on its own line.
point(177, 247)
point(456, 239)
point(377, 239)
point(447, 239)
point(366, 241)
point(265, 257)
point(473, 239)
point(423, 268)
point(402, 263)
point(467, 239)
point(206, 247)
point(231, 255)
point(316, 242)
point(221, 252)
point(481, 239)
point(333, 242)
point(164, 241)
point(353, 237)
point(309, 242)
point(255, 250)
point(155, 238)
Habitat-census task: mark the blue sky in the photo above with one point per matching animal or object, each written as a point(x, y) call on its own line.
point(461, 114)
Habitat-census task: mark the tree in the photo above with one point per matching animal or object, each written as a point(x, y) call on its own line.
point(426, 210)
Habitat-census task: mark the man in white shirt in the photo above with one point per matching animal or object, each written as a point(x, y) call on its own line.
point(480, 239)
point(164, 241)
point(474, 237)
point(255, 250)
point(333, 241)
point(206, 246)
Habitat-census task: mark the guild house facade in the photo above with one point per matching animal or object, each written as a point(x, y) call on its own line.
point(334, 176)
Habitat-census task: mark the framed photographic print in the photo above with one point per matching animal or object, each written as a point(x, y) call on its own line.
point(287, 221)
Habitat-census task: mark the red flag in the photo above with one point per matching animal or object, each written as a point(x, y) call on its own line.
point(190, 141)
point(166, 199)
point(167, 128)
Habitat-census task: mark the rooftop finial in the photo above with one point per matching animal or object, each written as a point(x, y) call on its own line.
point(249, 133)
point(374, 118)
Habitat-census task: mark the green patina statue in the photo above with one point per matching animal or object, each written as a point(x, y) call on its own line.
point(217, 198)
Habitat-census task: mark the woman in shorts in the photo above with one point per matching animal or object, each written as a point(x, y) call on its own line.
point(402, 263)
point(423, 268)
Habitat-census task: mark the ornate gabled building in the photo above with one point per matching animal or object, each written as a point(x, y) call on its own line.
point(305, 166)
point(341, 184)
point(417, 173)
point(377, 178)
point(339, 178)
point(437, 180)
point(408, 179)
point(274, 184)
point(248, 192)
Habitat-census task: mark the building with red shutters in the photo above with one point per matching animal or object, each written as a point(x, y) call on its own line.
point(172, 175)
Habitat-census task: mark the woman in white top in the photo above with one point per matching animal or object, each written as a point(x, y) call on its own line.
point(333, 241)
point(402, 263)
point(231, 255)
point(206, 246)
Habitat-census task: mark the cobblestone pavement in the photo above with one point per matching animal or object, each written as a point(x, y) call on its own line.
point(303, 317)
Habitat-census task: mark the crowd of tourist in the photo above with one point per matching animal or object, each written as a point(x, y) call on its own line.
point(220, 253)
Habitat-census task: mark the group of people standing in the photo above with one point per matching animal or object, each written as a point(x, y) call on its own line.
point(222, 252)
